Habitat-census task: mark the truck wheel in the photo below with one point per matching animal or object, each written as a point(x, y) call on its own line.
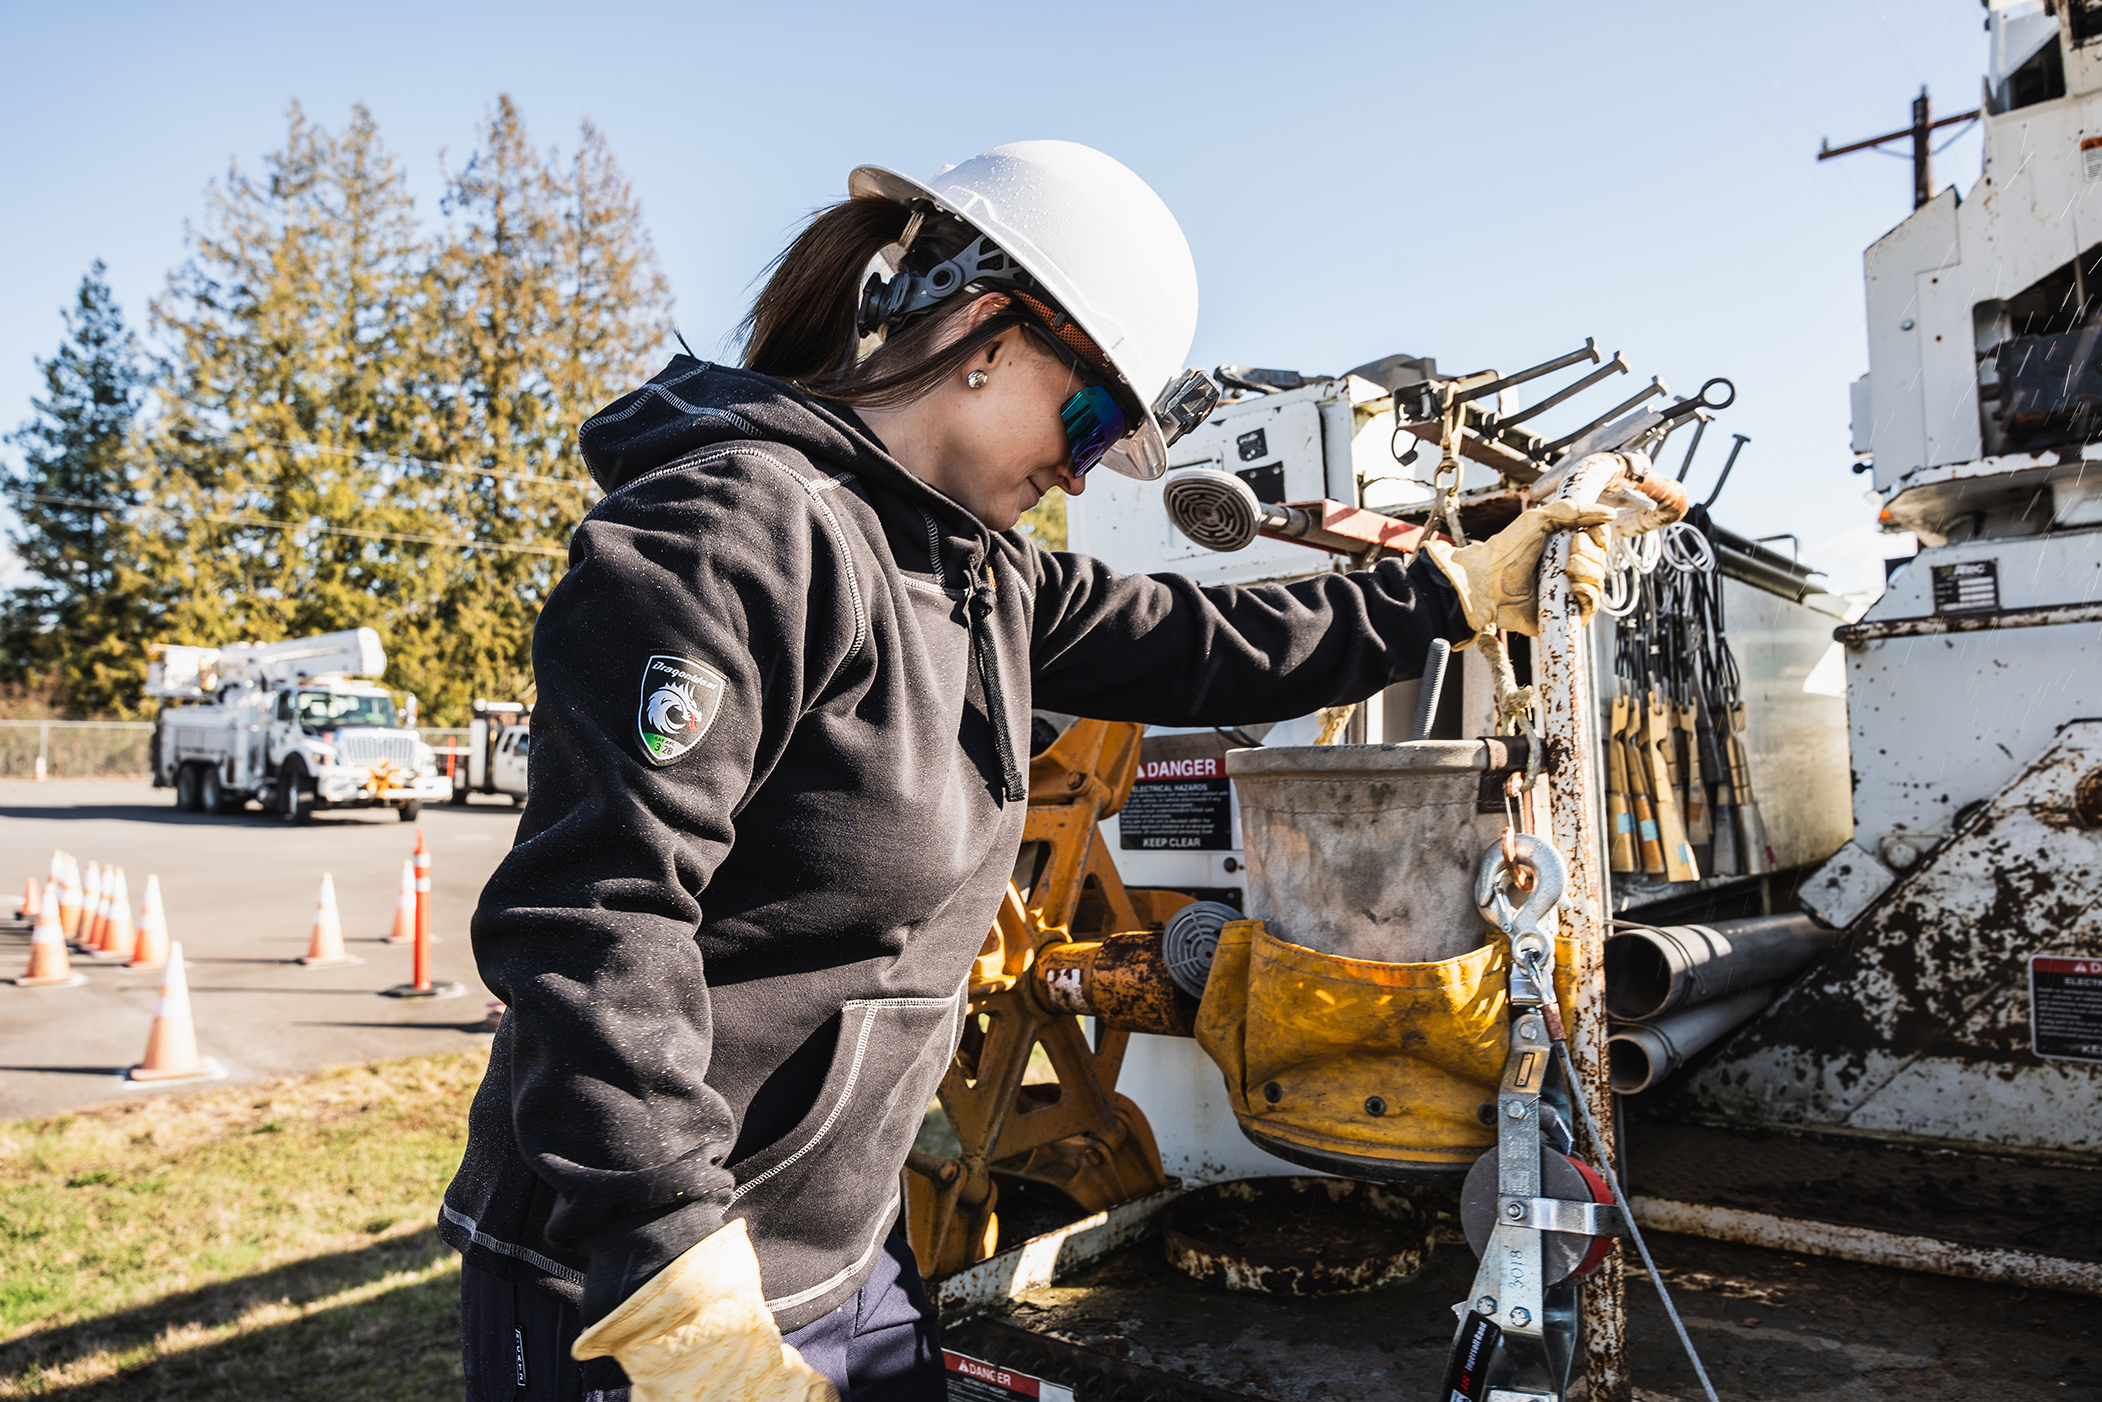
point(460, 795)
point(295, 795)
point(186, 789)
point(412, 810)
point(211, 794)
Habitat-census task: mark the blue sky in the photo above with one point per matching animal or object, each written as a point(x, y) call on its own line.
point(1485, 184)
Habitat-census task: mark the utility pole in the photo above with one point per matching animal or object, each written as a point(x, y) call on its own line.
point(1923, 122)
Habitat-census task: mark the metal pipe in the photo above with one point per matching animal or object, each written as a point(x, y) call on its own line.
point(1618, 365)
point(1545, 367)
point(1568, 719)
point(1686, 463)
point(1656, 387)
point(1123, 980)
point(1428, 689)
point(1655, 970)
point(1644, 1053)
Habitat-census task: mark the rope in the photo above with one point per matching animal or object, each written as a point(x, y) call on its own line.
point(1558, 1035)
point(1514, 703)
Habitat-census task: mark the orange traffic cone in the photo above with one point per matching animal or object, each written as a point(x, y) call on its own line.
point(70, 897)
point(325, 949)
point(171, 1047)
point(420, 984)
point(405, 906)
point(32, 903)
point(121, 935)
point(150, 951)
point(48, 966)
point(95, 935)
point(82, 929)
point(104, 908)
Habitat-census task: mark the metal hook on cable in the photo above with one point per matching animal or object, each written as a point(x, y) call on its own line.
point(1728, 463)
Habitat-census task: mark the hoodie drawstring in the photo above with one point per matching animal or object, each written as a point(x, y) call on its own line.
point(980, 604)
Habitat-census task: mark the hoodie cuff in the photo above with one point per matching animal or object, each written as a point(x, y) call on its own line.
point(632, 1248)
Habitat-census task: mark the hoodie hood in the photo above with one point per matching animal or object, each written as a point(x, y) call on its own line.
point(692, 404)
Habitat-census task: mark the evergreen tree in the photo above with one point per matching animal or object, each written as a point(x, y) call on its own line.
point(553, 305)
point(366, 424)
point(77, 627)
point(298, 326)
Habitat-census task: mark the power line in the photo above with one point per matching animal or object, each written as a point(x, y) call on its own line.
point(321, 527)
point(399, 460)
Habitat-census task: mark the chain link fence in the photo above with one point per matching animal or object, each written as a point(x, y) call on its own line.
point(114, 749)
point(76, 749)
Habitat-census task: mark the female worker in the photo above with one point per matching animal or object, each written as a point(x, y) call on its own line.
point(781, 735)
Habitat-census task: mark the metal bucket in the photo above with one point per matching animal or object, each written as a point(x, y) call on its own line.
point(1369, 851)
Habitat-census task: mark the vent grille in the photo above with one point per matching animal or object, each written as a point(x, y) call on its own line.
point(398, 750)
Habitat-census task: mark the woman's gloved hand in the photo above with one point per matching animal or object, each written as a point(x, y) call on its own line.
point(1498, 579)
point(699, 1331)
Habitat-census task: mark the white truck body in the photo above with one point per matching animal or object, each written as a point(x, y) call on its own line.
point(494, 761)
point(294, 725)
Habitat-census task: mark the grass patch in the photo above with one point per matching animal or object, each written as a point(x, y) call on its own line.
point(271, 1240)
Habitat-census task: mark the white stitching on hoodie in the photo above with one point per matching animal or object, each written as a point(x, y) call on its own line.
point(883, 1220)
point(846, 1093)
point(482, 1239)
point(643, 397)
point(815, 491)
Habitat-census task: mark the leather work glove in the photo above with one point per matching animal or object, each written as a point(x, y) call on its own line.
point(699, 1331)
point(1498, 579)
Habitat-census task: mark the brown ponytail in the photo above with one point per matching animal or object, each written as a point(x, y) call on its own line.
point(801, 326)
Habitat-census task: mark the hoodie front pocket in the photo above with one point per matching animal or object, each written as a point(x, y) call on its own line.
point(814, 1194)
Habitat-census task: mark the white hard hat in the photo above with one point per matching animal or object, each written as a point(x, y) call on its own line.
point(1099, 241)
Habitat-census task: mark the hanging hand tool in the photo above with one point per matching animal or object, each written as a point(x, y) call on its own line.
point(1751, 829)
point(1699, 831)
point(1723, 860)
point(1671, 828)
point(1620, 821)
point(1640, 794)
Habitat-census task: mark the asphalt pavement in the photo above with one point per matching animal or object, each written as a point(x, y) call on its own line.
point(239, 892)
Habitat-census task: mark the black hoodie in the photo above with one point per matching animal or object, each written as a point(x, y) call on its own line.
point(779, 745)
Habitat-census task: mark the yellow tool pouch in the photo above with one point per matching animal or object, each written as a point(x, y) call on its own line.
point(1370, 1070)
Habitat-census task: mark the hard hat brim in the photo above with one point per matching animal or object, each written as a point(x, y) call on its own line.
point(1142, 453)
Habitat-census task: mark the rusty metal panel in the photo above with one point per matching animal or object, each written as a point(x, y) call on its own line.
point(1917, 1025)
point(1942, 721)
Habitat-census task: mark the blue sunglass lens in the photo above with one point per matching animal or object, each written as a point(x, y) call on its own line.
point(1093, 424)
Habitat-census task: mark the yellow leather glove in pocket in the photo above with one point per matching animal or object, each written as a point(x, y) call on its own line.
point(1498, 579)
point(699, 1331)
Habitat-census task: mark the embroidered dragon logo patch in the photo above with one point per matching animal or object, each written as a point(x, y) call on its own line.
point(679, 700)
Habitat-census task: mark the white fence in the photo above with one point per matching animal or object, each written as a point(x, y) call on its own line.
point(75, 749)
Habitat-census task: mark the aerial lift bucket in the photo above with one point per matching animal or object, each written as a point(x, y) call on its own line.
point(1360, 1019)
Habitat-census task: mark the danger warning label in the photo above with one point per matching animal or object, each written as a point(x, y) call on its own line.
point(2065, 1007)
point(978, 1381)
point(1181, 799)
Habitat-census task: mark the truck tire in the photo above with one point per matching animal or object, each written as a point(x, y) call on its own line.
point(460, 795)
point(295, 802)
point(211, 793)
point(186, 785)
point(412, 810)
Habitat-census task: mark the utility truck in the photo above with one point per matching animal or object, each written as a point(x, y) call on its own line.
point(297, 726)
point(494, 760)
